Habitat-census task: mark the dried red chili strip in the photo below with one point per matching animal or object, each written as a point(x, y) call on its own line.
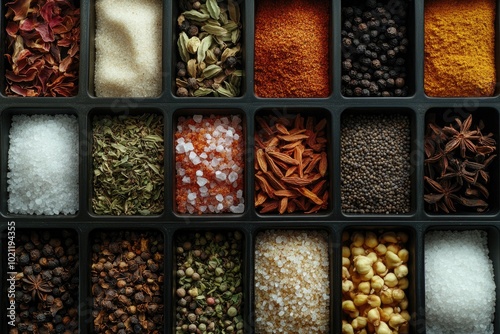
point(43, 43)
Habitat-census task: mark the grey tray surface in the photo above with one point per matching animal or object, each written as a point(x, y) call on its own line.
point(332, 220)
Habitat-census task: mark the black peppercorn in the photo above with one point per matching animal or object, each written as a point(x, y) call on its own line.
point(192, 31)
point(230, 62)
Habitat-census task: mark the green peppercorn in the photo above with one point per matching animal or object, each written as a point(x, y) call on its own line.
point(232, 311)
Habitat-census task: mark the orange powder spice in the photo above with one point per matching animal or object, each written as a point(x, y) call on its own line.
point(459, 48)
point(292, 48)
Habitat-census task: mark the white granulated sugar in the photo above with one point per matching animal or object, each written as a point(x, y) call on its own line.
point(128, 48)
point(292, 281)
point(43, 165)
point(459, 283)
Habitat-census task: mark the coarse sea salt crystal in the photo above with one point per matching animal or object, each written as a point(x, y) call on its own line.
point(232, 177)
point(181, 171)
point(239, 193)
point(215, 162)
point(180, 148)
point(220, 206)
point(219, 197)
point(468, 304)
point(219, 148)
point(197, 118)
point(240, 208)
point(201, 181)
point(199, 173)
point(220, 176)
point(186, 179)
point(189, 147)
point(203, 155)
point(192, 196)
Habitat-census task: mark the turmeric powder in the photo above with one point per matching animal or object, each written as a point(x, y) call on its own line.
point(292, 48)
point(459, 48)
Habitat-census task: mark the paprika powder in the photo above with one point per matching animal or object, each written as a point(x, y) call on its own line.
point(292, 48)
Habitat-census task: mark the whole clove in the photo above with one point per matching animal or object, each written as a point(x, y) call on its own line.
point(127, 295)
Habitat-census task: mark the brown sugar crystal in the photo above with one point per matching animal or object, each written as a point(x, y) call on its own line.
point(459, 48)
point(292, 48)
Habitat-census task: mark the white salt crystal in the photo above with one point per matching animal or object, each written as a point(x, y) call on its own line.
point(215, 162)
point(43, 163)
point(220, 176)
point(192, 127)
point(203, 155)
point(232, 177)
point(186, 179)
point(181, 171)
point(180, 148)
point(240, 208)
point(239, 193)
point(201, 181)
point(188, 147)
point(219, 148)
point(459, 285)
point(197, 118)
point(236, 136)
point(219, 197)
point(191, 196)
point(229, 134)
point(199, 173)
point(208, 136)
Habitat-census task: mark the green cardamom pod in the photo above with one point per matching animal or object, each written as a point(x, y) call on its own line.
point(214, 30)
point(195, 15)
point(203, 48)
point(211, 71)
point(213, 8)
point(182, 46)
point(203, 92)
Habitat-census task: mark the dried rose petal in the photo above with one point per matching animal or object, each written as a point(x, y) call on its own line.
point(43, 48)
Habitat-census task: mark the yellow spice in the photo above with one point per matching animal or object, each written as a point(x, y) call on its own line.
point(459, 48)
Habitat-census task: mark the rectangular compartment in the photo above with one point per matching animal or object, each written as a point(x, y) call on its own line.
point(5, 124)
point(489, 116)
point(411, 59)
point(55, 281)
point(4, 64)
point(90, 70)
point(493, 235)
point(300, 40)
point(496, 49)
point(176, 11)
point(218, 113)
point(412, 292)
point(219, 290)
point(417, 106)
point(331, 251)
point(138, 188)
point(262, 133)
point(126, 271)
point(413, 142)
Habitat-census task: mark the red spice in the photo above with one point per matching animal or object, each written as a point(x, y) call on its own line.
point(292, 48)
point(43, 48)
point(209, 164)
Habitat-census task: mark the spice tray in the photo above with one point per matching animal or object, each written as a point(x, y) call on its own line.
point(333, 221)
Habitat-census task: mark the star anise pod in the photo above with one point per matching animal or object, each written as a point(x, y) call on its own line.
point(37, 286)
point(462, 137)
point(443, 196)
